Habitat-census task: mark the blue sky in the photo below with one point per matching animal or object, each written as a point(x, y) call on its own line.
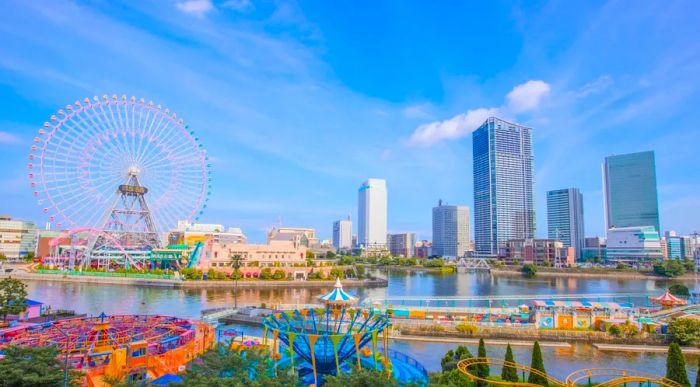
point(298, 103)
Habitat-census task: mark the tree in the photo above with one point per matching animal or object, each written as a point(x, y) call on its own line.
point(509, 373)
point(675, 365)
point(537, 364)
point(482, 370)
point(451, 358)
point(684, 330)
point(360, 378)
point(266, 273)
point(330, 254)
point(222, 366)
point(33, 367)
point(29, 257)
point(530, 270)
point(679, 290)
point(3, 257)
point(13, 297)
point(310, 254)
point(669, 268)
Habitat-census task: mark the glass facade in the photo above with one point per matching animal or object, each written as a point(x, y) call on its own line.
point(450, 230)
point(565, 218)
point(503, 185)
point(629, 183)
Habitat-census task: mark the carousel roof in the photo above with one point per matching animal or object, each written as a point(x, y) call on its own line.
point(337, 294)
point(668, 298)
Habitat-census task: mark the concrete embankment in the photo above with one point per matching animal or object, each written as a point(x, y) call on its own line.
point(474, 341)
point(643, 348)
point(590, 274)
point(243, 284)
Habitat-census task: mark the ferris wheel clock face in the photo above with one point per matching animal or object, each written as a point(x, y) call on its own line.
point(87, 152)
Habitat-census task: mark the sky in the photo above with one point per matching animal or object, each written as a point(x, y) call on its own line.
point(297, 103)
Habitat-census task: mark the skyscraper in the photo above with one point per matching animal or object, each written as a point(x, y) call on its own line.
point(402, 244)
point(450, 230)
point(565, 218)
point(503, 204)
point(372, 214)
point(342, 234)
point(629, 185)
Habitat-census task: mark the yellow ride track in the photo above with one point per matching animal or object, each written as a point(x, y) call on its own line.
point(610, 376)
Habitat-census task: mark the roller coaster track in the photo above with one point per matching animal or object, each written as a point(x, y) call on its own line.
point(612, 376)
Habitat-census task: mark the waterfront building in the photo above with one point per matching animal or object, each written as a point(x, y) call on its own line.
point(450, 230)
point(372, 215)
point(17, 238)
point(537, 251)
point(423, 249)
point(690, 244)
point(633, 244)
point(565, 218)
point(594, 247)
point(629, 191)
point(503, 184)
point(342, 235)
point(674, 245)
point(301, 235)
point(288, 255)
point(191, 233)
point(402, 244)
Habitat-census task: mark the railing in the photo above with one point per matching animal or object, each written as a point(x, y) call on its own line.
point(402, 357)
point(107, 274)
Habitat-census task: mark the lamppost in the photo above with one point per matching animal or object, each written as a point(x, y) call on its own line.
point(65, 361)
point(236, 263)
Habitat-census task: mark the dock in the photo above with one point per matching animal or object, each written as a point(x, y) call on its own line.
point(642, 348)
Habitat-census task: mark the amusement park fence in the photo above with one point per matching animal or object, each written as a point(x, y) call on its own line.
point(108, 274)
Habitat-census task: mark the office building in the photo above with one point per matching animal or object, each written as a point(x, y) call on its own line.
point(372, 215)
point(673, 245)
point(594, 248)
point(629, 191)
point(633, 244)
point(565, 218)
point(503, 185)
point(342, 235)
point(402, 245)
point(450, 230)
point(17, 238)
point(536, 251)
point(423, 249)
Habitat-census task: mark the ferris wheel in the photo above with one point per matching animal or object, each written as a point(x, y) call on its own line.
point(90, 150)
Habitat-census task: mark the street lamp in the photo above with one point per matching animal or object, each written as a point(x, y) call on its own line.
point(65, 361)
point(236, 263)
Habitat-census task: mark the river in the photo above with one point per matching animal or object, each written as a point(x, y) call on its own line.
point(119, 299)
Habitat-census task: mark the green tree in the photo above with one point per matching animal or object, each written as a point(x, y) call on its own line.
point(29, 257)
point(451, 358)
point(530, 270)
point(509, 373)
point(222, 366)
point(266, 273)
point(279, 274)
point(482, 370)
point(33, 367)
point(13, 297)
point(679, 290)
point(537, 364)
point(669, 268)
point(310, 254)
point(330, 255)
point(3, 257)
point(685, 330)
point(675, 365)
point(360, 378)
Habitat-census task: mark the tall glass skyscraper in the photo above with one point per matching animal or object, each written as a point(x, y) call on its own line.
point(372, 214)
point(503, 165)
point(629, 184)
point(565, 218)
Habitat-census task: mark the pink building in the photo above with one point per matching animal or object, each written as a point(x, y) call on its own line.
point(285, 255)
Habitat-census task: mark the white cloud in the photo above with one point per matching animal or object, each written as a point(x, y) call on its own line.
point(238, 5)
point(456, 127)
point(522, 98)
point(197, 8)
point(602, 83)
point(527, 96)
point(8, 138)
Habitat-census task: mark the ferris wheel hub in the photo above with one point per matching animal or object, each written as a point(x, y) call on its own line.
point(134, 170)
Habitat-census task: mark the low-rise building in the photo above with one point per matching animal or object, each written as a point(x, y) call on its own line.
point(402, 245)
point(537, 251)
point(423, 249)
point(304, 236)
point(191, 233)
point(594, 247)
point(633, 244)
point(286, 255)
point(17, 238)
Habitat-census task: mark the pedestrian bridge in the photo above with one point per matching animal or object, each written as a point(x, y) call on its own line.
point(605, 377)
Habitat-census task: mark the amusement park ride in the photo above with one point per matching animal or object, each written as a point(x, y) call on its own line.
point(116, 172)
